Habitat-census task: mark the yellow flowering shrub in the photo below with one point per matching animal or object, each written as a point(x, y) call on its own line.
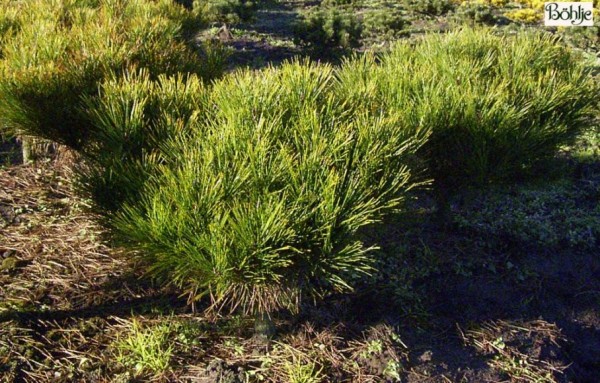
point(495, 3)
point(525, 15)
point(532, 4)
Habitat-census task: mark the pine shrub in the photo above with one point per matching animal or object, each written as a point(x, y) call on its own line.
point(481, 12)
point(430, 7)
point(496, 105)
point(327, 28)
point(61, 49)
point(262, 203)
point(228, 11)
point(133, 117)
point(385, 22)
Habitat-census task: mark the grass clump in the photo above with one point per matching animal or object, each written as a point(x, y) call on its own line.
point(298, 372)
point(145, 349)
point(266, 198)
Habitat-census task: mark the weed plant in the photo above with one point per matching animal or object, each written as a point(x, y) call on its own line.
point(145, 349)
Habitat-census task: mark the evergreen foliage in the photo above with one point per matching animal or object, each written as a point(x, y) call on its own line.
point(264, 201)
point(496, 105)
point(56, 51)
point(253, 191)
point(133, 117)
point(388, 22)
point(228, 11)
point(326, 28)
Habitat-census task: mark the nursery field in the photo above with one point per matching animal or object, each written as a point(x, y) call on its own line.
point(298, 191)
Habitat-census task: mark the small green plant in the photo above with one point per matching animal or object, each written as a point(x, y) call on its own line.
point(188, 334)
point(145, 349)
point(324, 28)
point(228, 11)
point(380, 354)
point(298, 372)
point(235, 347)
point(430, 7)
point(374, 346)
point(384, 22)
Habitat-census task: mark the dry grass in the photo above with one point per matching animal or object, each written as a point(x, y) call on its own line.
point(521, 350)
point(57, 276)
point(308, 354)
point(62, 262)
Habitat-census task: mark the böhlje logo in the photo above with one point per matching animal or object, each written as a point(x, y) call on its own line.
point(569, 14)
